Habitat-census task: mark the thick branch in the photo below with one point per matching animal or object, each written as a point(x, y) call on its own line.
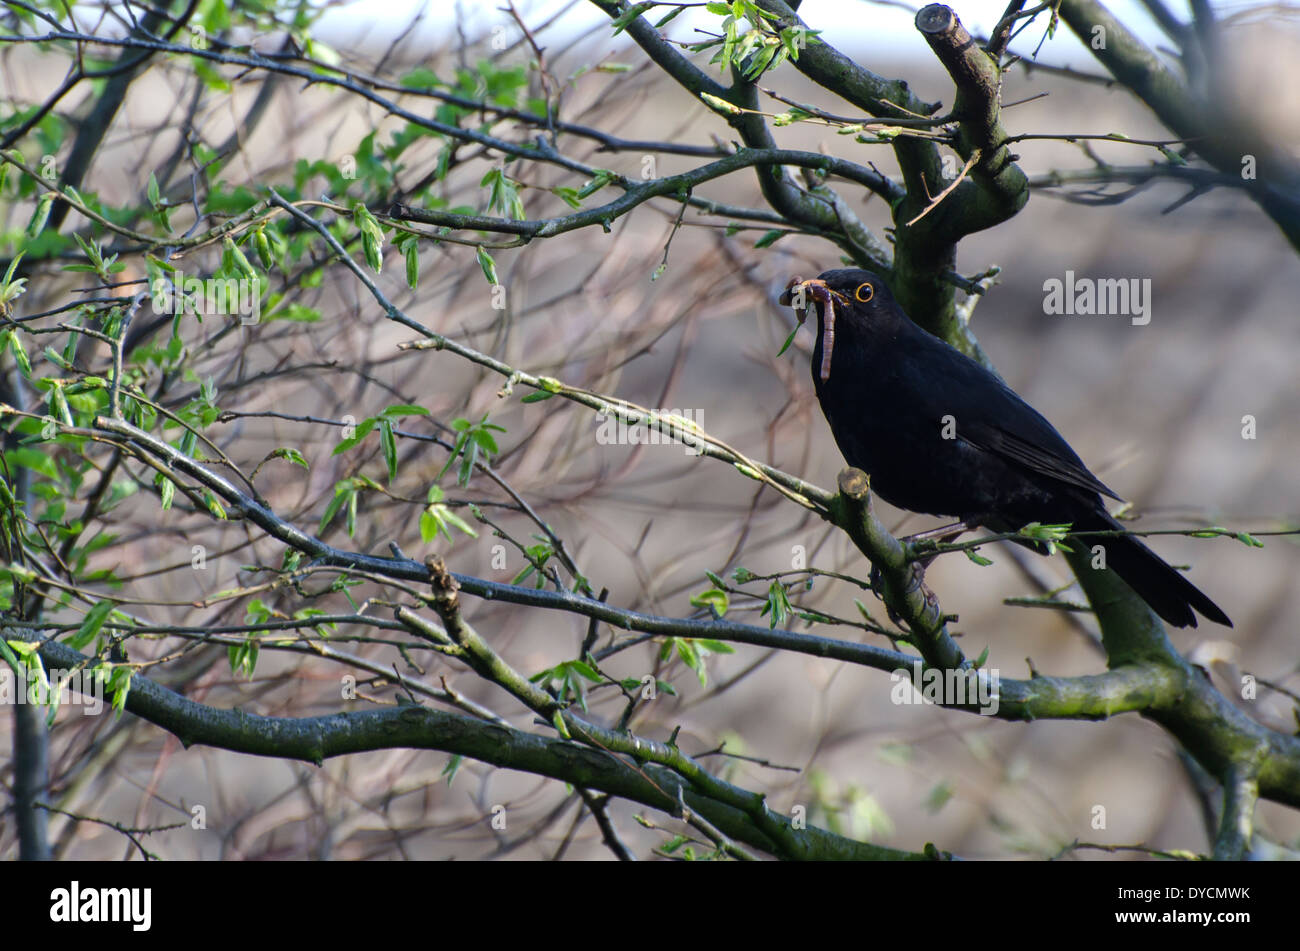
point(1219, 135)
point(315, 739)
point(639, 192)
point(1003, 188)
point(1221, 737)
point(782, 194)
point(1236, 828)
point(902, 581)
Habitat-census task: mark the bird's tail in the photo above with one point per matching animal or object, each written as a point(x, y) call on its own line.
point(1160, 585)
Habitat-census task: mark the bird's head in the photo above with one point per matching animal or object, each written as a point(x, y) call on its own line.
point(844, 294)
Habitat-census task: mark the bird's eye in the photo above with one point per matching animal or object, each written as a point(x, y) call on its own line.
point(864, 292)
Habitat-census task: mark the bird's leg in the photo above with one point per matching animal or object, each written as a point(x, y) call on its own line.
point(938, 536)
point(915, 582)
point(943, 534)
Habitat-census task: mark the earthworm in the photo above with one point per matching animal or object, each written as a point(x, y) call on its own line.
point(818, 291)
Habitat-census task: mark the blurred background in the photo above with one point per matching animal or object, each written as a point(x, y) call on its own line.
point(1156, 411)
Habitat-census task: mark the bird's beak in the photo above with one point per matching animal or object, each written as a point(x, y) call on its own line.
point(798, 294)
point(787, 296)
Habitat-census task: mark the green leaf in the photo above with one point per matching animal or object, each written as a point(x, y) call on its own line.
point(788, 340)
point(690, 656)
point(429, 526)
point(411, 251)
point(503, 194)
point(240, 260)
point(719, 104)
point(1051, 535)
point(6, 654)
point(263, 245)
point(760, 63)
point(814, 617)
point(715, 599)
point(585, 670)
point(438, 517)
point(404, 409)
point(33, 459)
point(468, 459)
point(598, 181)
point(472, 438)
point(294, 312)
point(16, 347)
point(665, 20)
point(569, 195)
point(778, 605)
point(715, 646)
point(210, 77)
point(372, 236)
point(373, 250)
point(622, 21)
point(363, 430)
point(388, 442)
point(243, 657)
point(293, 455)
point(488, 265)
point(119, 684)
point(938, 797)
point(90, 625)
point(453, 765)
point(456, 521)
point(214, 505)
point(977, 558)
point(26, 648)
point(789, 118)
point(342, 492)
point(166, 490)
point(40, 215)
point(11, 289)
point(421, 78)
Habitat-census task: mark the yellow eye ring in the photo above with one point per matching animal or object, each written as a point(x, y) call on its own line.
point(871, 292)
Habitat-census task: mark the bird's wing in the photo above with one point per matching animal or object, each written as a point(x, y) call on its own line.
point(992, 416)
point(1037, 453)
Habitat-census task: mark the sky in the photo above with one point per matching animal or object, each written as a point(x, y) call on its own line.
point(882, 29)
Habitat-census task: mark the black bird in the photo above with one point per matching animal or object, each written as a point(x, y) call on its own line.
point(940, 434)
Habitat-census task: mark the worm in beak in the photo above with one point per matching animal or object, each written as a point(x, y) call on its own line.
point(797, 295)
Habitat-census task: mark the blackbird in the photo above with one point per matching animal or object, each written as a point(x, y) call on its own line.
point(940, 434)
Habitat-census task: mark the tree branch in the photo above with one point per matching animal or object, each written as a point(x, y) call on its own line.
point(1240, 792)
point(1223, 138)
point(407, 726)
